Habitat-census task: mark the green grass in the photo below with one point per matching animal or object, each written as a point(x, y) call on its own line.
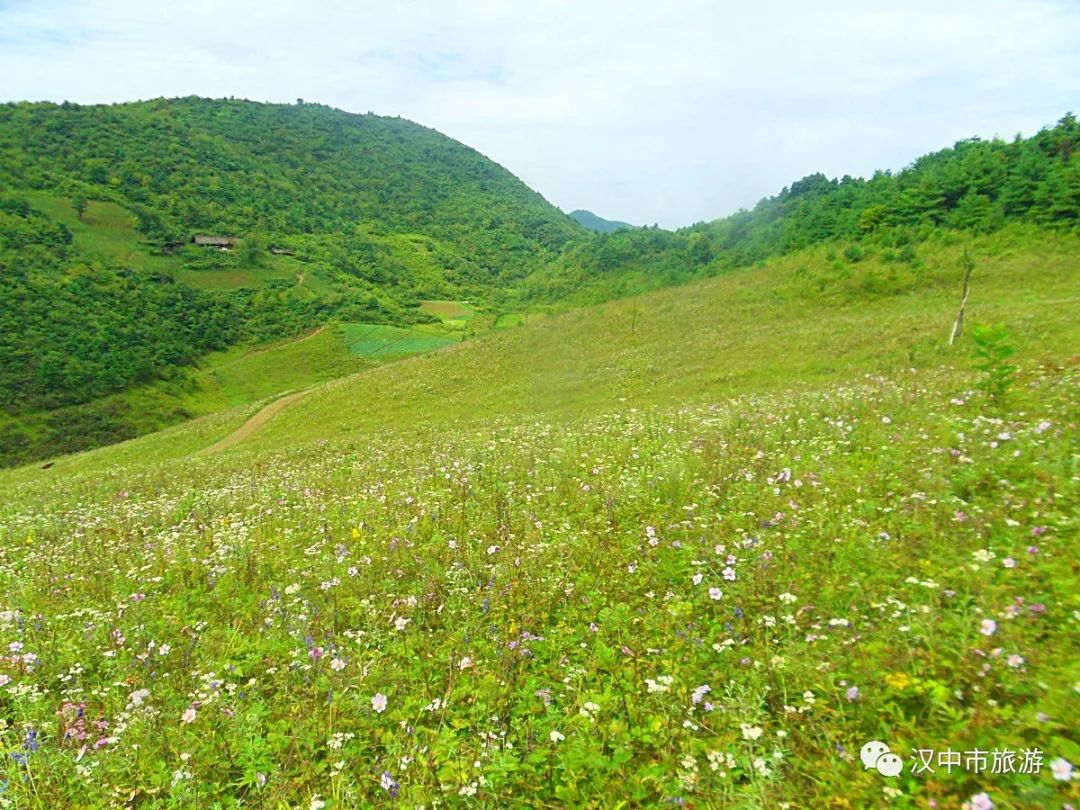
point(244, 375)
point(510, 319)
point(756, 330)
point(515, 542)
point(752, 330)
point(235, 381)
point(106, 232)
point(277, 268)
point(448, 310)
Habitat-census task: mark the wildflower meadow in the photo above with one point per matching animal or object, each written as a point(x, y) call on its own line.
point(698, 606)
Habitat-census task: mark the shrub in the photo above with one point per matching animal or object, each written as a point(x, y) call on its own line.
point(992, 352)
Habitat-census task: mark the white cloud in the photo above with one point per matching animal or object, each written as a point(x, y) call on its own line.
point(668, 113)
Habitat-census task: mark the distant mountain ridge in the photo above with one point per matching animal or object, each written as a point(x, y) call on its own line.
point(597, 223)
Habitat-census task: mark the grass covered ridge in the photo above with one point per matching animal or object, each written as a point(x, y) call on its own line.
point(365, 219)
point(804, 320)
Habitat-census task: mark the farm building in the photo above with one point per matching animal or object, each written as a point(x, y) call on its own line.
point(225, 242)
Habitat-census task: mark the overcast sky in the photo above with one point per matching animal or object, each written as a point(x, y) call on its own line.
point(669, 112)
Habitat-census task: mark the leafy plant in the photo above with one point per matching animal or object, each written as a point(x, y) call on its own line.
point(992, 351)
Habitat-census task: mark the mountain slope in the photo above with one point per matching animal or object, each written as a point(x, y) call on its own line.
point(976, 186)
point(361, 219)
point(240, 167)
point(798, 320)
point(597, 223)
point(803, 320)
point(752, 522)
point(353, 217)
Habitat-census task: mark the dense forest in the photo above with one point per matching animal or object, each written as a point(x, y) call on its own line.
point(976, 186)
point(70, 337)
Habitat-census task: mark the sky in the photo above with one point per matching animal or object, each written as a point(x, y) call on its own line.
point(666, 112)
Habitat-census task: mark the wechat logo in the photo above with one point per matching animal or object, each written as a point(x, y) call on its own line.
point(876, 754)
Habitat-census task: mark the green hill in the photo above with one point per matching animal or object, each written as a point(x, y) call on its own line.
point(693, 548)
point(596, 223)
point(976, 186)
point(237, 167)
point(357, 218)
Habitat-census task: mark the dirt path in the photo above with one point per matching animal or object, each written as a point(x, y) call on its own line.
point(264, 349)
point(263, 416)
point(318, 331)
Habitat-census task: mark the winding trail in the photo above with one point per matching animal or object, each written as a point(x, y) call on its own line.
point(261, 417)
point(264, 349)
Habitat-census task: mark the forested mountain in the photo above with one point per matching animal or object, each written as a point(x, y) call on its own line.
point(597, 223)
point(329, 215)
point(188, 165)
point(976, 186)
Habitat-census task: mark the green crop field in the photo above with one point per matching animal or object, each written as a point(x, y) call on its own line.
point(693, 548)
point(384, 342)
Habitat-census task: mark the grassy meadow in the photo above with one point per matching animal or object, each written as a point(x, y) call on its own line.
point(796, 323)
point(689, 549)
point(104, 231)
